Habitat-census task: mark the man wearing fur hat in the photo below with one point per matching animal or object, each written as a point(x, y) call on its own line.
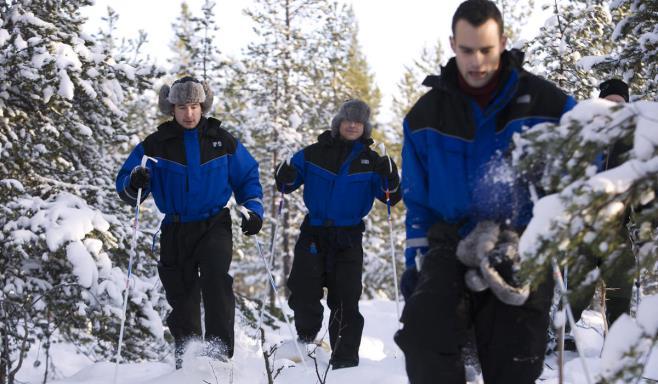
point(342, 176)
point(199, 166)
point(466, 207)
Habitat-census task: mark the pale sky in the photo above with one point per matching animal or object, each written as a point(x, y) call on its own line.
point(392, 33)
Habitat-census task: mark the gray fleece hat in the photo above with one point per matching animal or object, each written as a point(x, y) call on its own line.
point(184, 91)
point(353, 110)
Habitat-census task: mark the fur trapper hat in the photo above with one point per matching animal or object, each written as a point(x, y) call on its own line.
point(184, 91)
point(353, 110)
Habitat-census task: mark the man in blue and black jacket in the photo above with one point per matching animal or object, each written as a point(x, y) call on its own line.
point(197, 166)
point(458, 185)
point(342, 176)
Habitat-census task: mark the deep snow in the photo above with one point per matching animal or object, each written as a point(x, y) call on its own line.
point(381, 361)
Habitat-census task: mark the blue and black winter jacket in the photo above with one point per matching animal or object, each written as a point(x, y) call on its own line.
point(455, 156)
point(196, 172)
point(340, 182)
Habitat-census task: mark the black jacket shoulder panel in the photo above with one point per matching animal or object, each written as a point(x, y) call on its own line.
point(214, 131)
point(166, 143)
point(444, 111)
point(324, 154)
point(215, 141)
point(365, 162)
point(535, 97)
point(330, 153)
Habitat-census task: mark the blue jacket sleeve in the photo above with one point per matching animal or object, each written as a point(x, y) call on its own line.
point(244, 180)
point(415, 195)
point(126, 192)
point(569, 104)
point(297, 161)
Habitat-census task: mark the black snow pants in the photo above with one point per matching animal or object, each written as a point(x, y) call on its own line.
point(618, 279)
point(194, 261)
point(330, 257)
point(510, 340)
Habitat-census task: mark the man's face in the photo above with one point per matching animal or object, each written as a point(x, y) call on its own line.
point(187, 115)
point(616, 98)
point(350, 130)
point(477, 51)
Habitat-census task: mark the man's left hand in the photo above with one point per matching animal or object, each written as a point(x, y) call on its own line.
point(251, 225)
point(387, 169)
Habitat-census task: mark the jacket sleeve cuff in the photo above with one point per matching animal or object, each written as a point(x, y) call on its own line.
point(415, 246)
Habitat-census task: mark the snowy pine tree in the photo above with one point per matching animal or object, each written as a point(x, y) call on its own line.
point(61, 102)
point(410, 87)
point(515, 14)
point(336, 43)
point(274, 111)
point(635, 41)
point(578, 29)
point(279, 103)
point(583, 212)
point(185, 44)
point(194, 46)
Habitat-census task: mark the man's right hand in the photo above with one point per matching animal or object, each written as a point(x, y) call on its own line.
point(286, 174)
point(140, 177)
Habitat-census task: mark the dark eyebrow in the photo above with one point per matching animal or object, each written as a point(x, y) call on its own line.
point(473, 49)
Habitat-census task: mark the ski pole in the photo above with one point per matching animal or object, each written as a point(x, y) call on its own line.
point(278, 299)
point(565, 301)
point(562, 335)
point(272, 244)
point(390, 233)
point(633, 234)
point(133, 243)
point(245, 213)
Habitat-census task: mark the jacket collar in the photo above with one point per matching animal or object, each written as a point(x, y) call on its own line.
point(510, 61)
point(327, 139)
point(207, 126)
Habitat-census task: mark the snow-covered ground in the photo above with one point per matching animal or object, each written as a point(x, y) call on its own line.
point(381, 361)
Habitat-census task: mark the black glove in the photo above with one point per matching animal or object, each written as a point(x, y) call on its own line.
point(252, 224)
point(388, 171)
point(286, 174)
point(408, 282)
point(140, 177)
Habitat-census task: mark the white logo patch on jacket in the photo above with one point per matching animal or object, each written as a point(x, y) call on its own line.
point(525, 99)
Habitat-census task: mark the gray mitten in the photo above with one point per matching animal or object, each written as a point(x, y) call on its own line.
point(500, 270)
point(475, 247)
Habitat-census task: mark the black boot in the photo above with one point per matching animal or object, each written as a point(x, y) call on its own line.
point(306, 338)
point(343, 363)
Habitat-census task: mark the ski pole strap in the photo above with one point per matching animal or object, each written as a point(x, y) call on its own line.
point(155, 236)
point(388, 197)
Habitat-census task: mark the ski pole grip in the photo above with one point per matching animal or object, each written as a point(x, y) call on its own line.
point(147, 158)
point(382, 148)
point(243, 211)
